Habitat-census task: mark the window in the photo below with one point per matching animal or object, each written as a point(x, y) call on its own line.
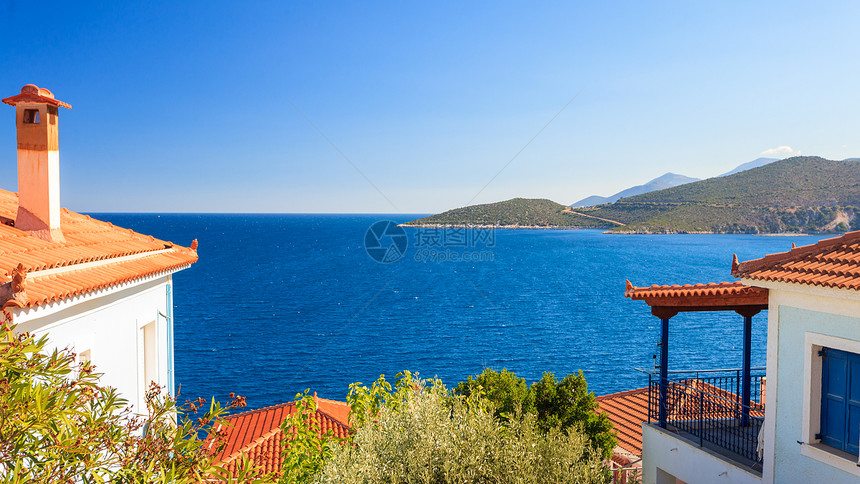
point(150, 366)
point(31, 116)
point(840, 400)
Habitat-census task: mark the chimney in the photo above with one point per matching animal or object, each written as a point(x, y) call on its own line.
point(36, 119)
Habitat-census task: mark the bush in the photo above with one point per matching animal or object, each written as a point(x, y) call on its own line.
point(568, 403)
point(422, 433)
point(564, 404)
point(508, 392)
point(57, 424)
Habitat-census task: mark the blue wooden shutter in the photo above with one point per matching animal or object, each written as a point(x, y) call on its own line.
point(834, 380)
point(853, 411)
point(840, 400)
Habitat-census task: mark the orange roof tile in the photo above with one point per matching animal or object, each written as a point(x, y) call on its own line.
point(94, 256)
point(627, 411)
point(257, 434)
point(667, 301)
point(831, 262)
point(692, 290)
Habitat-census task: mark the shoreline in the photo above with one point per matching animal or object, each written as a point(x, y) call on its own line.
point(489, 226)
point(609, 232)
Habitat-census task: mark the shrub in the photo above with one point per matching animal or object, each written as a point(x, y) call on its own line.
point(305, 449)
point(508, 392)
point(564, 404)
point(568, 403)
point(422, 433)
point(57, 424)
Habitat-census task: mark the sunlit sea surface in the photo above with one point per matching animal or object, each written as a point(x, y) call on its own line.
point(281, 303)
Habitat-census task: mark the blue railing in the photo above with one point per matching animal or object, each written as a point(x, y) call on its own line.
point(707, 404)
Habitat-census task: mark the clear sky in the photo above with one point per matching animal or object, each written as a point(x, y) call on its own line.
point(419, 107)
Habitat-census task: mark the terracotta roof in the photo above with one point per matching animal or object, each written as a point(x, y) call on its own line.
point(692, 290)
point(667, 301)
point(94, 256)
point(627, 411)
point(257, 433)
point(34, 94)
point(832, 262)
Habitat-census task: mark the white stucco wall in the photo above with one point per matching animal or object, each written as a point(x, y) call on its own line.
point(800, 320)
point(663, 451)
point(109, 323)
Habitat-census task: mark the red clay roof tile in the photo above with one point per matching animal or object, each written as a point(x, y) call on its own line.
point(627, 411)
point(257, 434)
point(831, 262)
point(691, 290)
point(97, 247)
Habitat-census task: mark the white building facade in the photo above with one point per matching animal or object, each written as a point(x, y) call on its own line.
point(812, 422)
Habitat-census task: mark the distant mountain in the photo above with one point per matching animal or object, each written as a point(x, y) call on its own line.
point(517, 212)
point(750, 165)
point(799, 194)
point(668, 180)
point(851, 159)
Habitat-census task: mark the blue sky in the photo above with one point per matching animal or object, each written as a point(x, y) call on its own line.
point(421, 107)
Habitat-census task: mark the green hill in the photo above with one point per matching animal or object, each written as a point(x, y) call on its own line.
point(800, 194)
point(517, 212)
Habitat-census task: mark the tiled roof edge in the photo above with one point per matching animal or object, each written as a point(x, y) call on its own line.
point(742, 269)
point(263, 409)
point(622, 394)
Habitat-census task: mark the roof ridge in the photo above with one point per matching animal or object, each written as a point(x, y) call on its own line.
point(620, 394)
point(795, 253)
point(333, 419)
point(263, 409)
point(285, 404)
point(333, 401)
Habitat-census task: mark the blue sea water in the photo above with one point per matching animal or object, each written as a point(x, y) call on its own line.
point(281, 303)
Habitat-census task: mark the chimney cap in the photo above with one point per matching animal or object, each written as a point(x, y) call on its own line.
point(34, 94)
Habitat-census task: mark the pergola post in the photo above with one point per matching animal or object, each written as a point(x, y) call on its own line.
point(664, 369)
point(662, 405)
point(745, 379)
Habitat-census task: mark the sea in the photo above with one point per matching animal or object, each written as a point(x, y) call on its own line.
point(283, 303)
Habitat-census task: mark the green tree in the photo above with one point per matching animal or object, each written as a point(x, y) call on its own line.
point(58, 425)
point(422, 433)
point(305, 448)
point(507, 392)
point(568, 403)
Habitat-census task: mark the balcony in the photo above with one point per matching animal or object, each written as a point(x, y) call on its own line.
point(705, 407)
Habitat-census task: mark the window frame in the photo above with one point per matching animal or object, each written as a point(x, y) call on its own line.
point(812, 385)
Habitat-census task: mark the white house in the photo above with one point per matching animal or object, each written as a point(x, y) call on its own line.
point(102, 290)
point(812, 419)
point(808, 427)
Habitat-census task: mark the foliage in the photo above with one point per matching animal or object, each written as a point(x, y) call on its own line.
point(507, 392)
point(365, 403)
point(57, 424)
point(420, 432)
point(564, 404)
point(514, 212)
point(568, 403)
point(305, 449)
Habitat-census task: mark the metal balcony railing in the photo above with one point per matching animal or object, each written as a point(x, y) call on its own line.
point(707, 405)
